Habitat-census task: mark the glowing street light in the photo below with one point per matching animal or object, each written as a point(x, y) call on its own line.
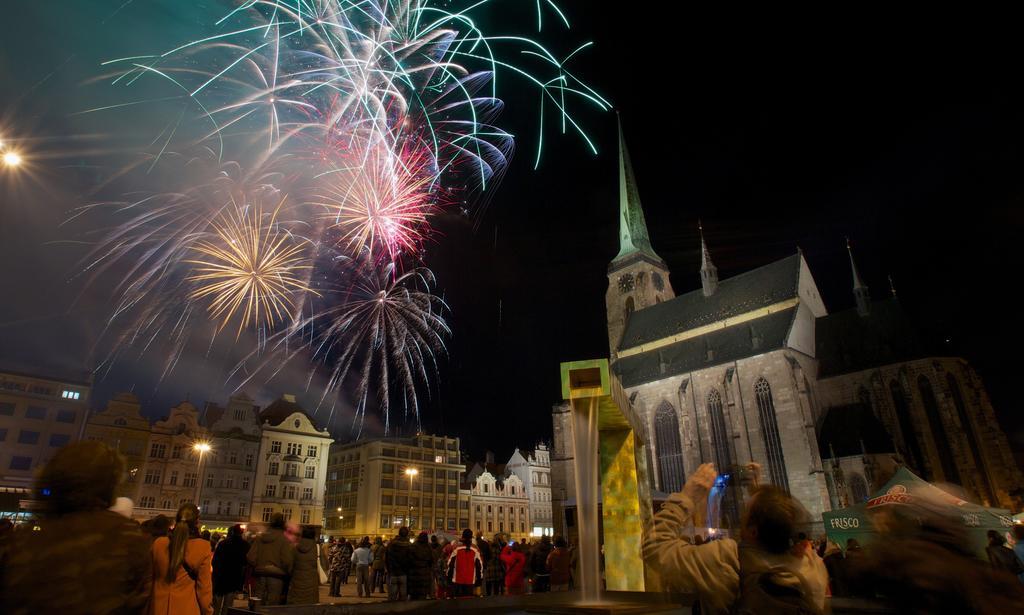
point(411, 473)
point(202, 448)
point(12, 159)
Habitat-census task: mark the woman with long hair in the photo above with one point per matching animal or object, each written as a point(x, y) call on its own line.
point(182, 582)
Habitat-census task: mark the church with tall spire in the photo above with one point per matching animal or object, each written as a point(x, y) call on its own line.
point(753, 368)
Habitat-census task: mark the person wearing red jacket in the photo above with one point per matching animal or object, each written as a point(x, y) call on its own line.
point(465, 566)
point(515, 568)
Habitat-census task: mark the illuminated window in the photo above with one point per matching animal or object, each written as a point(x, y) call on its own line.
point(275, 446)
point(671, 472)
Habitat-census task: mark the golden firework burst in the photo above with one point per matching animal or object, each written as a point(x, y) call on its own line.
point(251, 269)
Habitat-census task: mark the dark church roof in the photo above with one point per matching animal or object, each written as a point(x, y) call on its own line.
point(848, 342)
point(280, 410)
point(739, 294)
point(729, 344)
point(844, 427)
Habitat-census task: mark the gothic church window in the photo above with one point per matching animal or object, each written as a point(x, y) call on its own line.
point(912, 449)
point(630, 307)
point(671, 473)
point(972, 438)
point(723, 454)
point(858, 488)
point(770, 434)
point(931, 410)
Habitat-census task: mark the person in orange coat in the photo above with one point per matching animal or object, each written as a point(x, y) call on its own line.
point(182, 573)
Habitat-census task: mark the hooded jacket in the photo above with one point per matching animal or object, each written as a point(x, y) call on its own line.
point(271, 555)
point(305, 584)
point(712, 569)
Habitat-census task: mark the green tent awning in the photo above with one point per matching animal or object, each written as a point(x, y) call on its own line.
point(902, 490)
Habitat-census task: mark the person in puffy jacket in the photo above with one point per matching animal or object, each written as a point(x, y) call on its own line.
point(228, 569)
point(271, 557)
point(515, 568)
point(304, 587)
point(465, 566)
point(421, 567)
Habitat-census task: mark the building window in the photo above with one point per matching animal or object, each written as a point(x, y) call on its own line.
point(291, 469)
point(305, 516)
point(3, 434)
point(173, 479)
point(242, 509)
point(311, 451)
point(239, 415)
point(59, 439)
point(71, 395)
point(190, 479)
point(387, 468)
point(387, 483)
point(385, 520)
point(722, 451)
point(209, 479)
point(310, 471)
point(158, 450)
point(770, 434)
point(65, 416)
point(28, 437)
point(166, 504)
point(233, 457)
point(273, 468)
point(275, 446)
point(858, 488)
point(294, 448)
point(176, 451)
point(152, 477)
point(386, 500)
point(35, 412)
point(911, 450)
point(307, 493)
point(248, 460)
point(20, 463)
point(6, 408)
point(984, 487)
point(147, 501)
point(245, 482)
point(229, 482)
point(267, 514)
point(671, 473)
point(271, 491)
point(931, 410)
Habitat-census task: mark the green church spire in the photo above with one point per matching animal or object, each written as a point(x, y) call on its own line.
point(633, 238)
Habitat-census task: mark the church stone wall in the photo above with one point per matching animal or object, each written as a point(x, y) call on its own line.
point(735, 382)
point(1000, 470)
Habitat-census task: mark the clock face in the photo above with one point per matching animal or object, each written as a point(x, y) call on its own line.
point(659, 284)
point(626, 282)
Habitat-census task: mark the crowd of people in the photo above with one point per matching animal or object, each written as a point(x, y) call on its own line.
point(87, 555)
point(921, 561)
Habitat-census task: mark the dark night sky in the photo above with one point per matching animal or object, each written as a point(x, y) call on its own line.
point(903, 132)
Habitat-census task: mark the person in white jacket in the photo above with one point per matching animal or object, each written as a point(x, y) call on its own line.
point(730, 576)
point(362, 557)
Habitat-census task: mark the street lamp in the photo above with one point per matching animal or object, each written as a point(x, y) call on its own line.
point(12, 159)
point(411, 473)
point(202, 448)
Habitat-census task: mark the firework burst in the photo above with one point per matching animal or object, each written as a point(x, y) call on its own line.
point(252, 268)
point(368, 114)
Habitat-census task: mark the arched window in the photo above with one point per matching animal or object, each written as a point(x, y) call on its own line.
point(770, 434)
point(911, 452)
point(723, 453)
point(719, 433)
point(630, 307)
point(671, 473)
point(120, 422)
point(931, 410)
point(972, 438)
point(858, 488)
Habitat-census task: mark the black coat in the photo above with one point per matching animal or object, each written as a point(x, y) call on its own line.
point(229, 565)
point(421, 567)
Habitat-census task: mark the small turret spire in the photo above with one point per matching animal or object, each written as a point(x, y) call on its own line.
point(708, 271)
point(892, 286)
point(860, 290)
point(633, 237)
